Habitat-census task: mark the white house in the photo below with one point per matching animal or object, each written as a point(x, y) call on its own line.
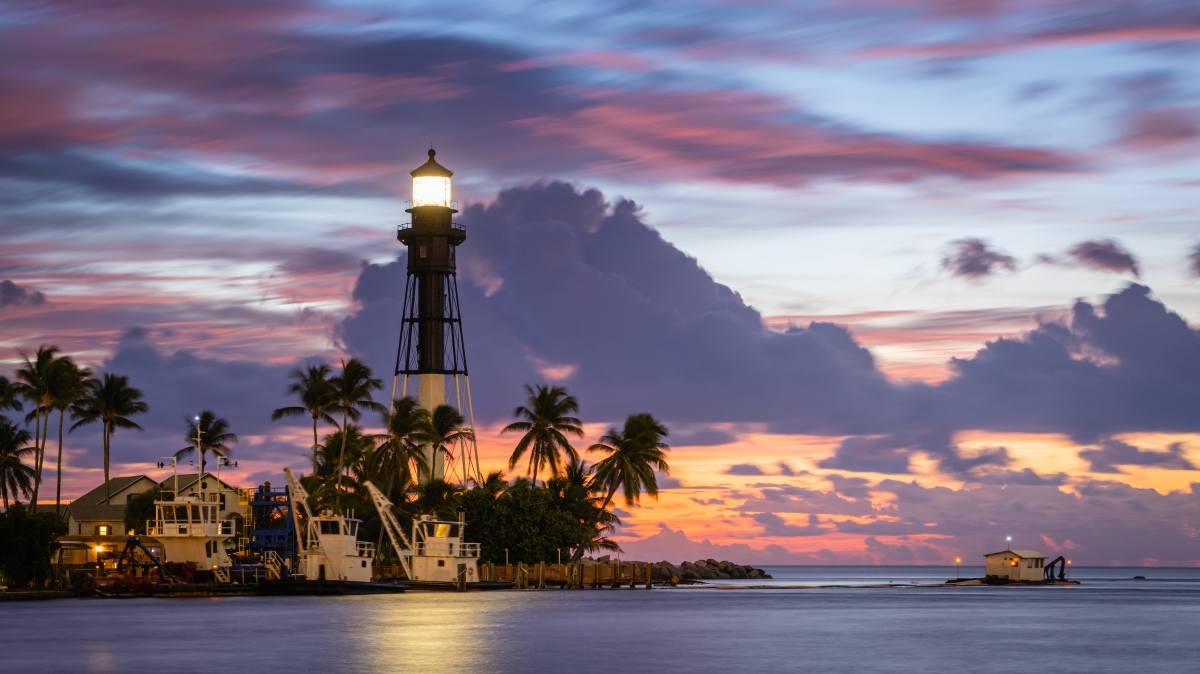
point(1015, 564)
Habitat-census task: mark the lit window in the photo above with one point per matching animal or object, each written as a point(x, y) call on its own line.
point(424, 253)
point(104, 530)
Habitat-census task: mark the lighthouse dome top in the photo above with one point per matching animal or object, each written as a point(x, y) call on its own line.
point(431, 169)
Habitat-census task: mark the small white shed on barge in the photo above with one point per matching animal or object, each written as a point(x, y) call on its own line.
point(1015, 564)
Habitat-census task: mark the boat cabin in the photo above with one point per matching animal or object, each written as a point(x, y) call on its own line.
point(333, 551)
point(190, 529)
point(1015, 564)
point(440, 549)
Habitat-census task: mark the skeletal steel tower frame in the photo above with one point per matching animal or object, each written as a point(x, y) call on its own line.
point(431, 344)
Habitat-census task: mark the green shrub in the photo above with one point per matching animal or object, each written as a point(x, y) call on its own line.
point(138, 509)
point(27, 543)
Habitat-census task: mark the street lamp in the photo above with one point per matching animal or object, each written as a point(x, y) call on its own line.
point(957, 561)
point(1009, 539)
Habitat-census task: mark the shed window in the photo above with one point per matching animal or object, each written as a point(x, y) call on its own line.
point(424, 252)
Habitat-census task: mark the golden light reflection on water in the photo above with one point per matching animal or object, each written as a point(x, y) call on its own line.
point(432, 632)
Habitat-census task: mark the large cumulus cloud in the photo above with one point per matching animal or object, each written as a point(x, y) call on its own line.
point(558, 284)
point(554, 276)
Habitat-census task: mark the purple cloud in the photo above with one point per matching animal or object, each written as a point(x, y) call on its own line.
point(773, 525)
point(972, 259)
point(1113, 453)
point(558, 275)
point(1104, 255)
point(11, 293)
point(744, 469)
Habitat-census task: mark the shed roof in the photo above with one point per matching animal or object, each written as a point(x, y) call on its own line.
point(1021, 554)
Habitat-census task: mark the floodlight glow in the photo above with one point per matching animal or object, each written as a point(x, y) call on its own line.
point(431, 191)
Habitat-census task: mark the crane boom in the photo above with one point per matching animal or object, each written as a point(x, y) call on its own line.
point(300, 497)
point(394, 531)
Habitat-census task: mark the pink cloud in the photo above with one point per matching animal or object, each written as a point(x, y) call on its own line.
point(739, 137)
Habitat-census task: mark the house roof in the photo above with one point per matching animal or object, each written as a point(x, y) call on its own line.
point(86, 512)
point(1021, 554)
point(115, 486)
point(186, 480)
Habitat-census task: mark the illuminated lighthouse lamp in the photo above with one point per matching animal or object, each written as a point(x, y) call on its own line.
point(431, 184)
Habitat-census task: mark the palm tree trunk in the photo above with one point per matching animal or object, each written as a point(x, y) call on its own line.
point(41, 457)
point(608, 499)
point(106, 443)
point(58, 467)
point(314, 444)
point(37, 453)
point(341, 459)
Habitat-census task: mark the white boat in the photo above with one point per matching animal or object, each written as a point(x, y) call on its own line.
point(438, 555)
point(189, 529)
point(331, 558)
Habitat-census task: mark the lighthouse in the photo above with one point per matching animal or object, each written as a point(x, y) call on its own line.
point(431, 345)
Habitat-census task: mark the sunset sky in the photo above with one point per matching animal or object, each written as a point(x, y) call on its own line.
point(903, 277)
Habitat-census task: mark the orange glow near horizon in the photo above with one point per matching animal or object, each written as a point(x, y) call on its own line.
point(713, 503)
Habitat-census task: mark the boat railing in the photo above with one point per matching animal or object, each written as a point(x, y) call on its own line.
point(161, 528)
point(448, 549)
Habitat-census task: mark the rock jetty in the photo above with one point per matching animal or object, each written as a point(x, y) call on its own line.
point(701, 569)
point(706, 569)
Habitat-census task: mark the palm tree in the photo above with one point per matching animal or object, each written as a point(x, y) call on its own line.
point(493, 485)
point(352, 447)
point(316, 399)
point(634, 453)
point(15, 476)
point(444, 429)
point(111, 401)
point(352, 393)
point(572, 492)
point(214, 435)
point(400, 452)
point(68, 386)
point(546, 427)
point(8, 395)
point(34, 385)
point(438, 498)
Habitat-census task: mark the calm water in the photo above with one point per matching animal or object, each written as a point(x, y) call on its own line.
point(1111, 623)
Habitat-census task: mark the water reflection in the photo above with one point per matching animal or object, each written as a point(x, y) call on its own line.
point(1118, 625)
point(434, 633)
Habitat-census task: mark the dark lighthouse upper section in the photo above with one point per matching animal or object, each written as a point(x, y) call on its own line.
point(432, 234)
point(431, 333)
